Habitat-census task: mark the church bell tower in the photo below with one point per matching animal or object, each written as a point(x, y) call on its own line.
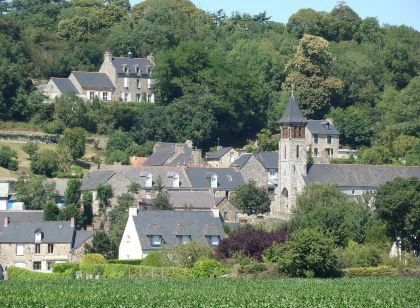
point(292, 159)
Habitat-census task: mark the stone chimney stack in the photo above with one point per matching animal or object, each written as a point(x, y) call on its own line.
point(107, 56)
point(6, 221)
point(130, 55)
point(151, 58)
point(72, 222)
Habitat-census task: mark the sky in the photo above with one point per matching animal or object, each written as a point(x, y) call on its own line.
point(395, 12)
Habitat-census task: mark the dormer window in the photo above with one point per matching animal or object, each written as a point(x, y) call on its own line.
point(38, 236)
point(213, 182)
point(149, 180)
point(214, 240)
point(156, 240)
point(184, 239)
point(175, 180)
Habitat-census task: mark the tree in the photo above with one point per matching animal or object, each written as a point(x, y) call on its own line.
point(8, 158)
point(413, 157)
point(307, 71)
point(376, 155)
point(72, 111)
point(30, 148)
point(87, 201)
point(266, 142)
point(45, 162)
point(51, 211)
point(161, 202)
point(74, 140)
point(308, 253)
point(306, 21)
point(118, 147)
point(72, 193)
point(70, 211)
point(341, 23)
point(33, 191)
point(117, 217)
point(103, 245)
point(133, 188)
point(251, 199)
point(397, 203)
point(104, 193)
point(325, 207)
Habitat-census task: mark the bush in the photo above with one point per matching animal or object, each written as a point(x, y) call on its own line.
point(130, 262)
point(207, 268)
point(309, 253)
point(93, 269)
point(93, 258)
point(249, 242)
point(68, 269)
point(186, 255)
point(45, 162)
point(8, 158)
point(356, 255)
point(368, 271)
point(156, 258)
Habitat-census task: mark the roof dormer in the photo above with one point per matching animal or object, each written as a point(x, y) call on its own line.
point(39, 235)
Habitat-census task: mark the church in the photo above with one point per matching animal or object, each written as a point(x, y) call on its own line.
point(295, 173)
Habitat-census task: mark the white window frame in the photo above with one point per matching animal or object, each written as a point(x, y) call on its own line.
point(105, 96)
point(185, 239)
point(214, 240)
point(126, 82)
point(213, 182)
point(149, 180)
point(38, 237)
point(175, 180)
point(20, 248)
point(91, 94)
point(149, 83)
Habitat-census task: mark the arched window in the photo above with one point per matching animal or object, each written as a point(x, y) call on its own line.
point(285, 193)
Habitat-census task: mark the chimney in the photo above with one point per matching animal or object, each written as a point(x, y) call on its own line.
point(132, 211)
point(216, 212)
point(107, 56)
point(130, 55)
point(6, 221)
point(72, 222)
point(151, 58)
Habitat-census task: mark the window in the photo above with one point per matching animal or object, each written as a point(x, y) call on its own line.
point(315, 138)
point(37, 266)
point(126, 97)
point(105, 96)
point(185, 239)
point(37, 248)
point(125, 82)
point(91, 95)
point(214, 240)
point(297, 151)
point(329, 139)
point(225, 215)
point(128, 238)
point(149, 83)
point(213, 181)
point(138, 97)
point(294, 169)
point(149, 180)
point(352, 192)
point(175, 181)
point(38, 236)
point(150, 98)
point(138, 83)
point(285, 152)
point(315, 152)
point(19, 249)
point(50, 265)
point(50, 248)
point(156, 240)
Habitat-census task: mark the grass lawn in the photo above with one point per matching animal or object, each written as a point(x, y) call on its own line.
point(24, 162)
point(216, 292)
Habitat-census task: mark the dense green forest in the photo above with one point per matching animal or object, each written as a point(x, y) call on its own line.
point(218, 76)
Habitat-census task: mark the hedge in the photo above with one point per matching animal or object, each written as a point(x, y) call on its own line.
point(377, 271)
point(21, 274)
point(111, 271)
point(130, 262)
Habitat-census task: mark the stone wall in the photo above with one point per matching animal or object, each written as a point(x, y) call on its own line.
point(228, 211)
point(254, 170)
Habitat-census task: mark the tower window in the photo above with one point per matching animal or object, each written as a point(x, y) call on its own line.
point(285, 152)
point(297, 151)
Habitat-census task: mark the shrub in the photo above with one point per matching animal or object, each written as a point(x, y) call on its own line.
point(368, 271)
point(156, 258)
point(130, 262)
point(249, 242)
point(356, 255)
point(93, 258)
point(8, 158)
point(68, 269)
point(309, 253)
point(15, 273)
point(207, 268)
point(186, 255)
point(92, 269)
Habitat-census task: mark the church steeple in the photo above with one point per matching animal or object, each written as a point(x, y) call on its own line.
point(292, 114)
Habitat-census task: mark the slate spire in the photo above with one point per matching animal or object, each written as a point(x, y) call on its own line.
point(292, 114)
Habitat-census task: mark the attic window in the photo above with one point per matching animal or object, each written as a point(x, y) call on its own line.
point(175, 181)
point(214, 240)
point(184, 239)
point(213, 183)
point(149, 180)
point(38, 236)
point(156, 240)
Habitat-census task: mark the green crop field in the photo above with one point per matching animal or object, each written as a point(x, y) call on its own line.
point(356, 292)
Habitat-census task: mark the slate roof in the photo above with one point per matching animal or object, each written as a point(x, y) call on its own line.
point(322, 127)
point(169, 224)
point(142, 63)
point(355, 176)
point(93, 179)
point(292, 114)
point(81, 237)
point(270, 160)
point(218, 154)
point(94, 81)
point(64, 85)
point(242, 160)
point(166, 173)
point(164, 155)
point(227, 178)
point(192, 199)
point(20, 216)
point(24, 232)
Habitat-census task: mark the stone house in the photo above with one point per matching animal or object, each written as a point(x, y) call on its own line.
point(148, 231)
point(228, 211)
point(130, 76)
point(323, 139)
point(172, 154)
point(222, 158)
point(37, 245)
point(125, 79)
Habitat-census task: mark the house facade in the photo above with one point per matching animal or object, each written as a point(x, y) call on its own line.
point(322, 137)
point(148, 231)
point(222, 157)
point(37, 245)
point(124, 79)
